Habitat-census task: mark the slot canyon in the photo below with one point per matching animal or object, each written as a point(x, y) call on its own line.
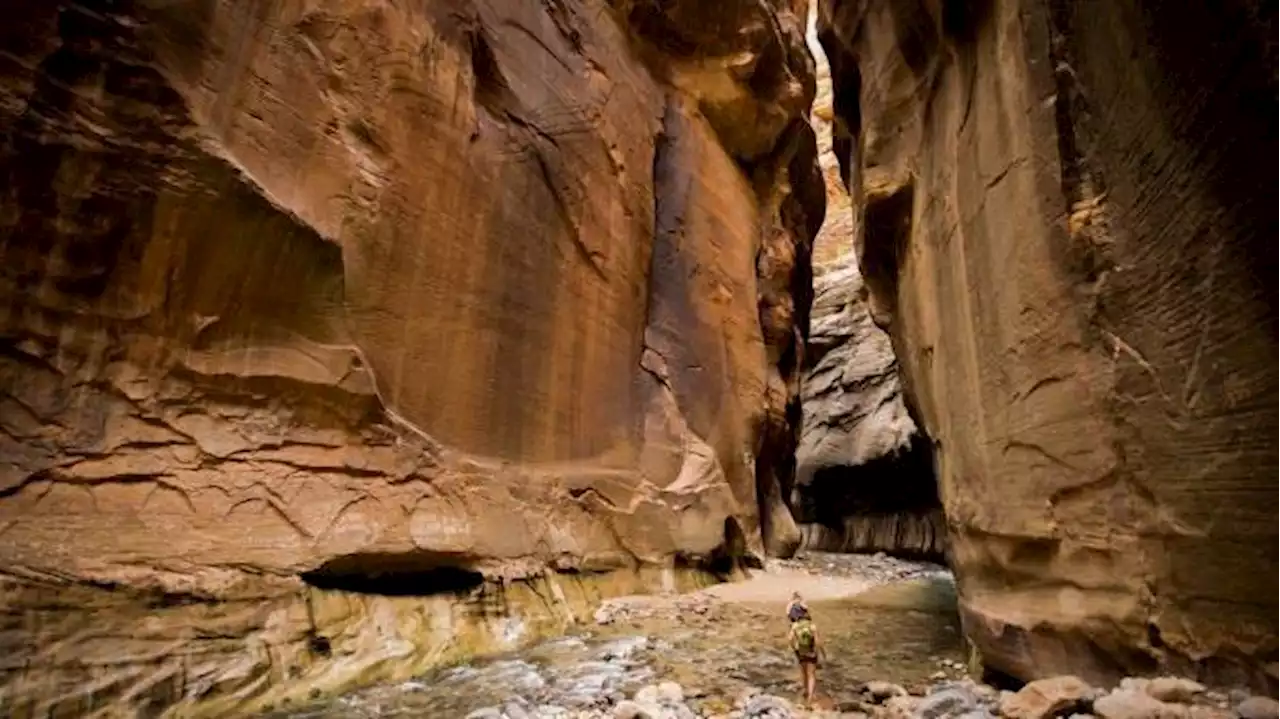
point(344, 341)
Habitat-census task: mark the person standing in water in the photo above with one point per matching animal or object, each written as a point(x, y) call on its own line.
point(805, 643)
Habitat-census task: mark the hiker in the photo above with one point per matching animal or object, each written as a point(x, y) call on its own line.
point(805, 643)
point(795, 606)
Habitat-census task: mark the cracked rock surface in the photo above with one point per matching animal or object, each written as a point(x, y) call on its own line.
point(1062, 220)
point(382, 296)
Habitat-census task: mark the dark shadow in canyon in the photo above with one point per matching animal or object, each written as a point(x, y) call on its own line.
point(395, 575)
point(889, 504)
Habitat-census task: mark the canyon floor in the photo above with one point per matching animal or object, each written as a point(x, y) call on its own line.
point(882, 619)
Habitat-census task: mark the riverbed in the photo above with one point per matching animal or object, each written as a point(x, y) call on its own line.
point(881, 619)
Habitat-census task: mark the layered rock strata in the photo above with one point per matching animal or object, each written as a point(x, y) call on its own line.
point(312, 310)
point(1065, 221)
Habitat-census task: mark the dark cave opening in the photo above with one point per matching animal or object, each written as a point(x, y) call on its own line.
point(395, 575)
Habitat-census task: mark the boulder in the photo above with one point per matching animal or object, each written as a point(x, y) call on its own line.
point(1046, 698)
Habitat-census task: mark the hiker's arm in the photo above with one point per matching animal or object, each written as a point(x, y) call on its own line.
point(821, 646)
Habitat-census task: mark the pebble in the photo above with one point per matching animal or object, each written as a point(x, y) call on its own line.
point(1258, 708)
point(951, 701)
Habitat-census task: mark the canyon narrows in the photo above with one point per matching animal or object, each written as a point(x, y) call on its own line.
point(1065, 216)
point(864, 471)
point(344, 340)
point(317, 315)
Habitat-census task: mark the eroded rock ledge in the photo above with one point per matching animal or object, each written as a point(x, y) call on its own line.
point(308, 307)
point(1063, 220)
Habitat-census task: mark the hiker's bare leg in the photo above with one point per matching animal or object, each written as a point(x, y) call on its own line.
point(810, 681)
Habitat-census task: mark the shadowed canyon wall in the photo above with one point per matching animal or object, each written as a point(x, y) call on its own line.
point(1065, 215)
point(310, 310)
point(864, 474)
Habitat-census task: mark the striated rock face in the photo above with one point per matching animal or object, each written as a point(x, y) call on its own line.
point(304, 307)
point(1065, 221)
point(864, 478)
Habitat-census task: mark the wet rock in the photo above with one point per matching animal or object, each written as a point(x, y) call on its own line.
point(767, 706)
point(1174, 689)
point(1258, 708)
point(950, 701)
point(1128, 703)
point(628, 709)
point(1049, 697)
point(879, 691)
point(899, 708)
point(514, 710)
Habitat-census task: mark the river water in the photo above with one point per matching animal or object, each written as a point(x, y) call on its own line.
point(897, 624)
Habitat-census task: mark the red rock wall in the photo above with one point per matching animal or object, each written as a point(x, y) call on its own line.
point(489, 285)
point(1067, 219)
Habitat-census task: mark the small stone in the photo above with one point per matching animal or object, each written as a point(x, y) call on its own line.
point(766, 705)
point(880, 691)
point(1174, 689)
point(670, 693)
point(1258, 708)
point(1044, 698)
point(1131, 704)
point(938, 676)
point(947, 702)
point(486, 713)
point(513, 710)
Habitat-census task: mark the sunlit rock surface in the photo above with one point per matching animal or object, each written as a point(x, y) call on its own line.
point(1065, 214)
point(426, 297)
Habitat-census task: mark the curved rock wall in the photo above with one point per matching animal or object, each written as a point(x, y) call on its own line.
point(381, 295)
point(1067, 220)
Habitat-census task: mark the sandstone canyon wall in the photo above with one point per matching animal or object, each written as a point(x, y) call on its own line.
point(864, 477)
point(1066, 217)
point(308, 310)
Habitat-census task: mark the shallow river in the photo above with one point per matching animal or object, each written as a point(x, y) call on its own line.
point(905, 631)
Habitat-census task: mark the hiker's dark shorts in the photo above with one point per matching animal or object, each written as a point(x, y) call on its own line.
point(806, 658)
